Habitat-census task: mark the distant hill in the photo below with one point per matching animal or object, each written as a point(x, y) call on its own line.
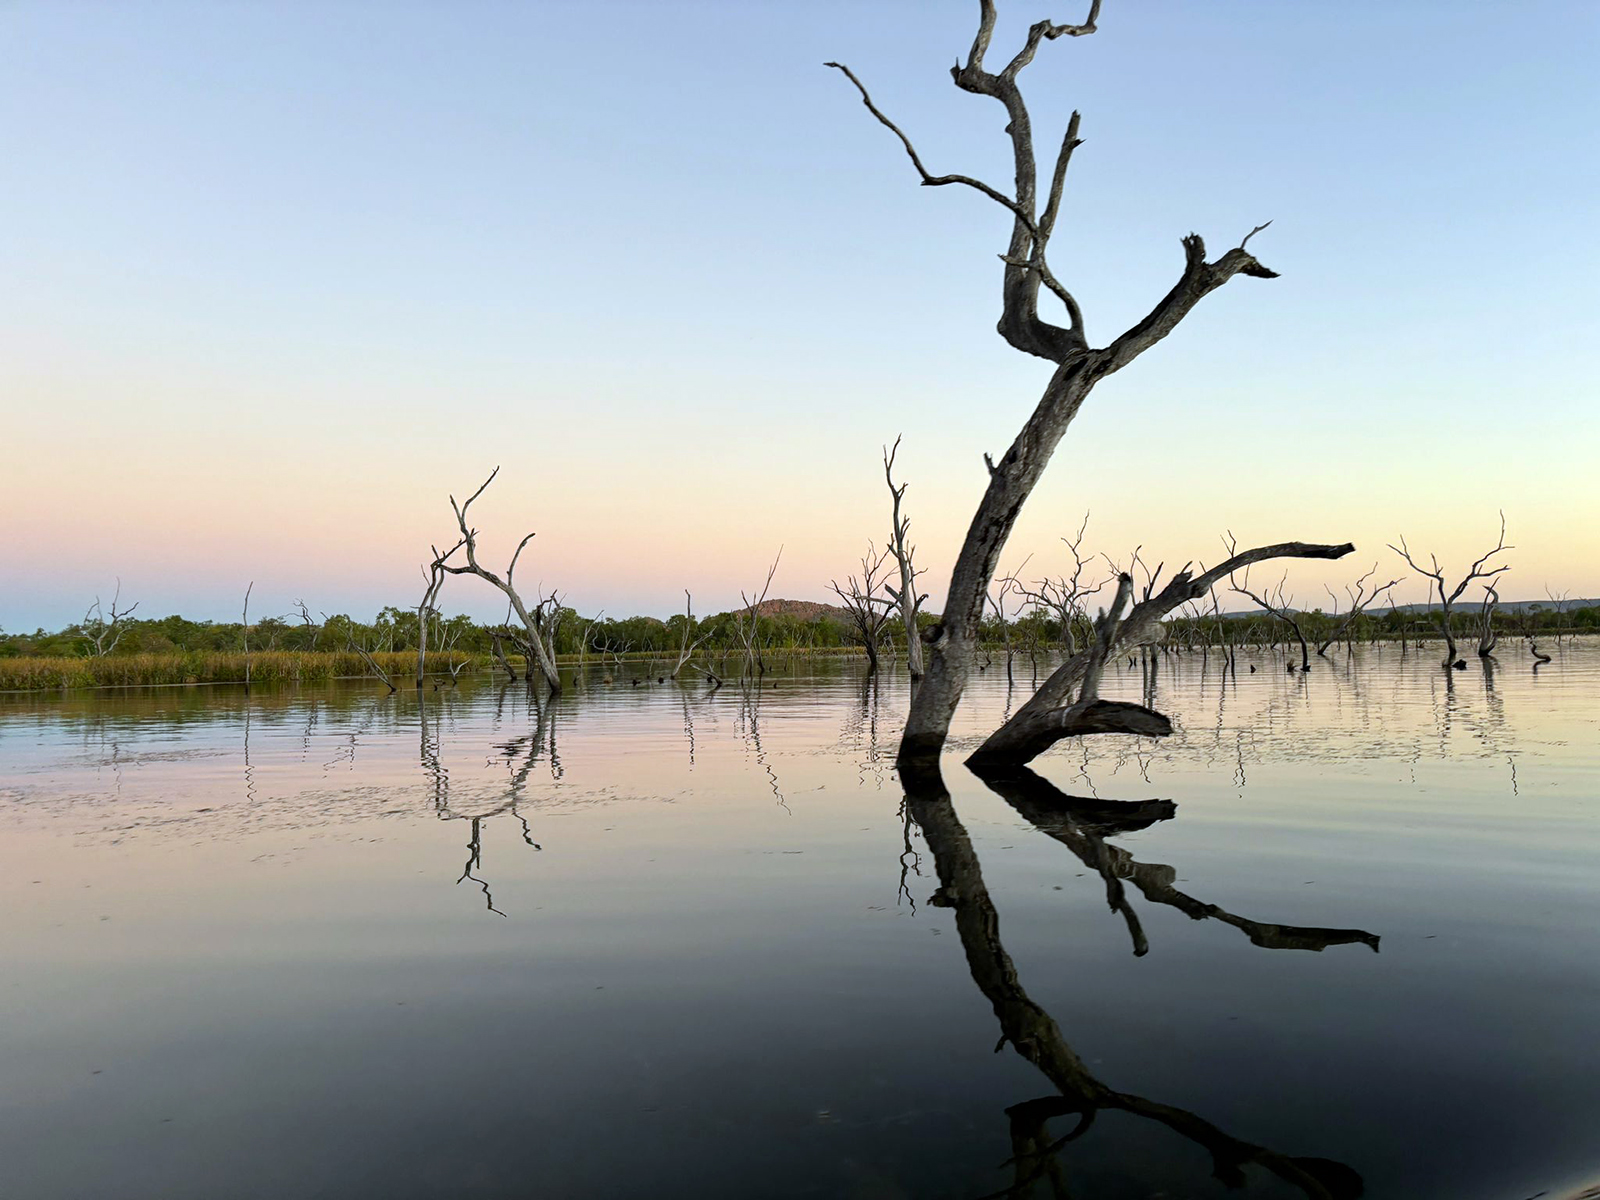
point(804, 610)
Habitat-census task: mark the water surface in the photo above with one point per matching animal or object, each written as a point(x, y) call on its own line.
point(1339, 932)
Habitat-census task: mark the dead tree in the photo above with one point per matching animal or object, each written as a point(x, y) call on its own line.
point(538, 623)
point(868, 612)
point(1487, 637)
point(360, 648)
point(102, 633)
point(906, 597)
point(1279, 605)
point(1057, 710)
point(1480, 569)
point(313, 630)
point(1065, 596)
point(244, 633)
point(498, 649)
point(434, 573)
point(1360, 598)
point(747, 623)
point(1078, 366)
point(690, 643)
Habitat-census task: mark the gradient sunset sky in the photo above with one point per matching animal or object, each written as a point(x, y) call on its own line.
point(281, 276)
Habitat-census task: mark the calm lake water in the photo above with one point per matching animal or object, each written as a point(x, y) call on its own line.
point(1338, 932)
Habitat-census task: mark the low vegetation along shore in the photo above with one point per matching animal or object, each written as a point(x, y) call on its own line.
point(174, 650)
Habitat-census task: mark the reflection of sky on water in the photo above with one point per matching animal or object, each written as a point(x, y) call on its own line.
point(247, 919)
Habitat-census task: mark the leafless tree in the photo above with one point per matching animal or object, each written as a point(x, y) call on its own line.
point(1360, 599)
point(868, 612)
point(538, 623)
point(1064, 597)
point(498, 649)
point(747, 623)
point(1057, 709)
point(1560, 601)
point(689, 643)
point(434, 574)
point(312, 628)
point(1487, 637)
point(1278, 604)
point(1480, 569)
point(906, 597)
point(997, 596)
point(102, 633)
point(360, 648)
point(244, 633)
point(1079, 366)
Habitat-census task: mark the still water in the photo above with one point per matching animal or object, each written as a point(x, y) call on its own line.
point(1339, 935)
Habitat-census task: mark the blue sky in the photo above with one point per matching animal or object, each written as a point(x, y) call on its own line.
point(284, 275)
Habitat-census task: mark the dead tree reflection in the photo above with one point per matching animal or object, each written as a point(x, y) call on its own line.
point(521, 755)
point(1083, 825)
point(1034, 1034)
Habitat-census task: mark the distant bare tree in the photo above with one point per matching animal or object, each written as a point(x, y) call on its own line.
point(1057, 709)
point(360, 648)
point(313, 630)
point(1277, 603)
point(1064, 597)
point(102, 633)
point(952, 643)
point(244, 633)
point(747, 622)
point(1487, 637)
point(906, 597)
point(1447, 597)
point(689, 643)
point(1360, 599)
point(868, 612)
point(538, 623)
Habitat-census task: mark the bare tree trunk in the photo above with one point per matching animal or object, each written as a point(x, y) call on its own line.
point(907, 598)
point(244, 633)
point(1487, 638)
point(425, 611)
point(1478, 570)
point(540, 642)
point(1078, 367)
point(1052, 715)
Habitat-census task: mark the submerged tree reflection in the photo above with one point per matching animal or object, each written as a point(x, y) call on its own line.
point(1034, 1034)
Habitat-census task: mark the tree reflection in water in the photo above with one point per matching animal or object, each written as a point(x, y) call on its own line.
point(1034, 1034)
point(520, 754)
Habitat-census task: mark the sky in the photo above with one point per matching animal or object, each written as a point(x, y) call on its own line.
point(281, 277)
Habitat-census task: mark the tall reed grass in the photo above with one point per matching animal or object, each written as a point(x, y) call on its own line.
point(267, 666)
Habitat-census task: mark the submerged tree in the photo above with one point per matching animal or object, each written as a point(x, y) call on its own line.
point(537, 640)
point(1480, 569)
point(906, 597)
point(1078, 364)
point(867, 611)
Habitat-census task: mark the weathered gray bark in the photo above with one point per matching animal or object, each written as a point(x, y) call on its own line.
point(690, 643)
point(952, 642)
point(1487, 637)
point(1049, 716)
point(539, 622)
point(434, 574)
point(906, 597)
